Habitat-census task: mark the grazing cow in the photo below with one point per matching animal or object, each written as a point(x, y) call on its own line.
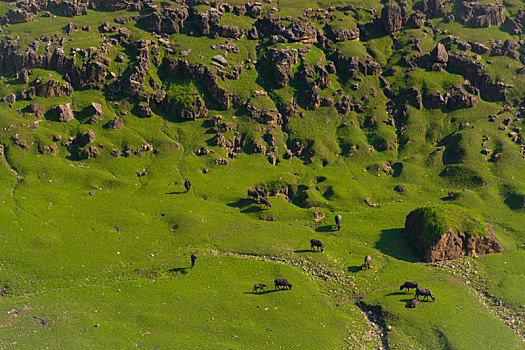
point(316, 243)
point(282, 282)
point(408, 285)
point(366, 265)
point(338, 219)
point(260, 286)
point(265, 202)
point(193, 258)
point(424, 292)
point(414, 303)
point(187, 185)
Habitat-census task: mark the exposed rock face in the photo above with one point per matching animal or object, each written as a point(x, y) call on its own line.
point(15, 16)
point(116, 123)
point(282, 62)
point(169, 21)
point(451, 245)
point(89, 152)
point(143, 110)
point(35, 108)
point(414, 98)
point(458, 98)
point(64, 113)
point(433, 7)
point(83, 139)
point(475, 72)
point(50, 89)
point(439, 54)
point(482, 15)
point(392, 18)
point(512, 26)
point(95, 108)
point(204, 75)
point(312, 97)
point(434, 100)
point(344, 34)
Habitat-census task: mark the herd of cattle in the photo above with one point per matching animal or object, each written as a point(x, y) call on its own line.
point(317, 245)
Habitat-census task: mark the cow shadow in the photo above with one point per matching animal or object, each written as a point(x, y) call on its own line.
point(326, 228)
point(305, 251)
point(395, 293)
point(179, 192)
point(354, 269)
point(252, 209)
point(262, 293)
point(241, 203)
point(407, 302)
point(395, 242)
point(179, 270)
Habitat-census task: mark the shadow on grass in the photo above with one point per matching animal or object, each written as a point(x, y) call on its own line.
point(179, 192)
point(395, 242)
point(262, 293)
point(252, 209)
point(395, 293)
point(241, 203)
point(306, 251)
point(181, 270)
point(407, 302)
point(326, 228)
point(354, 269)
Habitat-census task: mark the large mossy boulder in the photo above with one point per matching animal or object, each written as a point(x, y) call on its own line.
point(449, 232)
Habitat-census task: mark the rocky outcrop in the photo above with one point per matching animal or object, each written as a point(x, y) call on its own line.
point(449, 245)
point(391, 17)
point(50, 89)
point(439, 54)
point(475, 72)
point(64, 112)
point(15, 16)
point(434, 100)
point(482, 15)
point(344, 34)
point(458, 98)
point(433, 7)
point(83, 139)
point(36, 109)
point(283, 62)
point(116, 123)
point(202, 74)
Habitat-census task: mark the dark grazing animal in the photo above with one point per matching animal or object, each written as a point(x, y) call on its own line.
point(338, 219)
point(282, 282)
point(366, 265)
point(408, 285)
point(414, 303)
point(424, 292)
point(187, 185)
point(316, 243)
point(258, 286)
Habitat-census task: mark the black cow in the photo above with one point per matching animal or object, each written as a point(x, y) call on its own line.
point(408, 285)
point(187, 185)
point(260, 286)
point(316, 243)
point(338, 219)
point(424, 292)
point(366, 265)
point(282, 282)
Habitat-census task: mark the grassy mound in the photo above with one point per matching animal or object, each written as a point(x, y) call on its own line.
point(437, 220)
